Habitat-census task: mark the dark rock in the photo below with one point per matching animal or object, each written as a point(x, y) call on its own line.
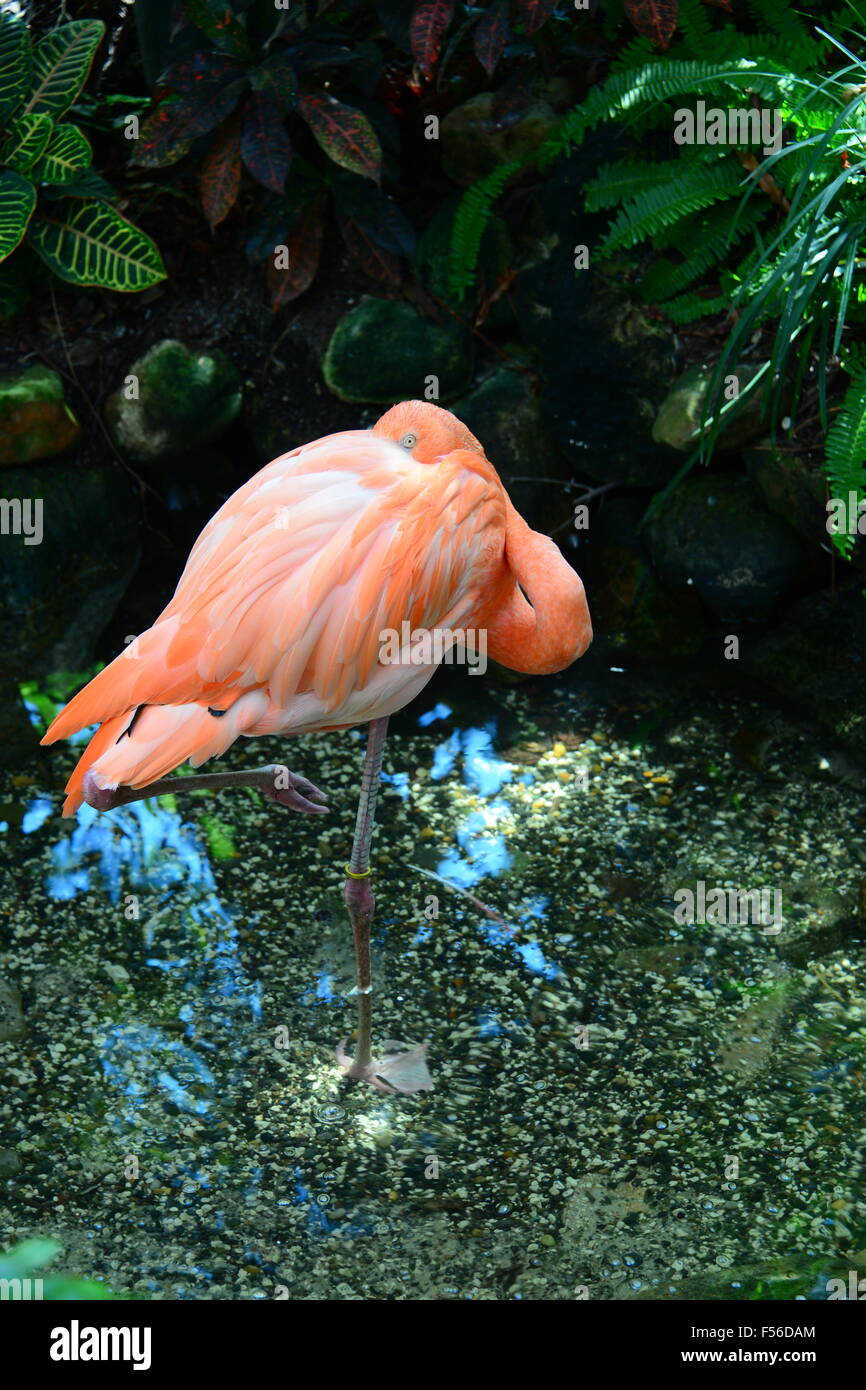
point(382, 351)
point(10, 1163)
point(792, 487)
point(184, 399)
point(678, 422)
point(17, 735)
point(505, 414)
point(714, 533)
point(35, 421)
point(476, 140)
point(606, 361)
point(816, 659)
point(56, 596)
point(641, 619)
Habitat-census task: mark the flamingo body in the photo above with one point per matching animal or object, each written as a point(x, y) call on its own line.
point(275, 626)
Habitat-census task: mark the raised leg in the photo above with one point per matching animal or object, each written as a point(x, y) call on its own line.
point(404, 1072)
point(278, 784)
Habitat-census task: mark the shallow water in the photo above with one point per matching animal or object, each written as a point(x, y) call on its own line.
point(625, 1103)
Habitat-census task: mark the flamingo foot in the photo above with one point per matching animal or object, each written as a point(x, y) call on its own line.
point(279, 785)
point(402, 1070)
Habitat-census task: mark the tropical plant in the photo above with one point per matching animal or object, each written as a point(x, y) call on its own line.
point(50, 195)
point(244, 83)
point(770, 240)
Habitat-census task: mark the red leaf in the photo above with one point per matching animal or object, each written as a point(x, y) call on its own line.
point(373, 259)
point(427, 30)
point(265, 146)
point(304, 245)
point(655, 19)
point(492, 33)
point(202, 69)
point(221, 173)
point(344, 134)
point(533, 13)
point(216, 20)
point(169, 131)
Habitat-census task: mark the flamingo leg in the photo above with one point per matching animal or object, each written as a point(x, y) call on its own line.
point(358, 895)
point(278, 784)
point(403, 1072)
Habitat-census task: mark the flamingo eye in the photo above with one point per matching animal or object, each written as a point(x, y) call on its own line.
point(409, 441)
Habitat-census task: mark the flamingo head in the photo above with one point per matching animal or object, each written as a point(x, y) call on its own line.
point(426, 431)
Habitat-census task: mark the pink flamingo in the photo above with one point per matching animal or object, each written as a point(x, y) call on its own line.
point(278, 621)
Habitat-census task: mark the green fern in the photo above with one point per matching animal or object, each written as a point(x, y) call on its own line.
point(470, 221)
point(713, 233)
point(685, 308)
point(845, 446)
point(692, 189)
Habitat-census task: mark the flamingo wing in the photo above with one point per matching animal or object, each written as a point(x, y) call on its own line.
point(289, 586)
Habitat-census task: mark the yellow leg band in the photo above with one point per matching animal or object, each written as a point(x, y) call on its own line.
point(365, 874)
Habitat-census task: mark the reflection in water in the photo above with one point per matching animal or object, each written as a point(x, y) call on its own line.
point(143, 849)
point(543, 1159)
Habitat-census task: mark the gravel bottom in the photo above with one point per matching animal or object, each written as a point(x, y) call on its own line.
point(626, 1105)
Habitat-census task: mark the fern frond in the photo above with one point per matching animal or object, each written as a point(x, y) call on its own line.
point(713, 233)
point(696, 27)
point(470, 220)
point(694, 188)
point(845, 445)
point(685, 308)
point(627, 177)
point(626, 92)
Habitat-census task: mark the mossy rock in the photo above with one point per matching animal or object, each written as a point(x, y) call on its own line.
point(681, 413)
point(181, 400)
point(382, 351)
point(35, 420)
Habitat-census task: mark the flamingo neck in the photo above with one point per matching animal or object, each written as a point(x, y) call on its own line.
point(553, 628)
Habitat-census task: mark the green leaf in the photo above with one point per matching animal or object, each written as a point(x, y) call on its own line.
point(89, 243)
point(67, 154)
point(17, 201)
point(24, 1259)
point(26, 141)
point(61, 62)
point(15, 63)
point(86, 184)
